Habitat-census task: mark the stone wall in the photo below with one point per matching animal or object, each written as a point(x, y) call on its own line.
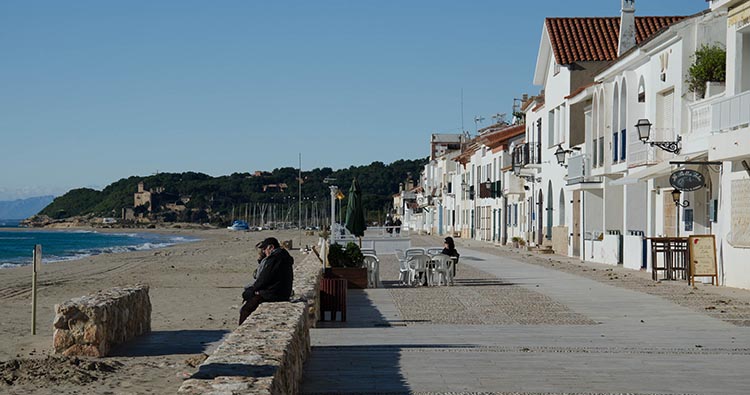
point(92, 324)
point(265, 355)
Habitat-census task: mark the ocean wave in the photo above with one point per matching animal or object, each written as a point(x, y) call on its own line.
point(16, 238)
point(8, 265)
point(141, 245)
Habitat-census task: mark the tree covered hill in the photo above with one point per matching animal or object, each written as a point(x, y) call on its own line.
point(220, 195)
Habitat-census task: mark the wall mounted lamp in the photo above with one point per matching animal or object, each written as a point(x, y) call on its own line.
point(644, 132)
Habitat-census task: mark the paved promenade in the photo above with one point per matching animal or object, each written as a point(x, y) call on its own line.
point(518, 323)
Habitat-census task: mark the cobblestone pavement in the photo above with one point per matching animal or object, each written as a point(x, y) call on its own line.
point(477, 298)
point(727, 304)
point(518, 323)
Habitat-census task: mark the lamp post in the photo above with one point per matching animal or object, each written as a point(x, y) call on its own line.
point(676, 198)
point(644, 131)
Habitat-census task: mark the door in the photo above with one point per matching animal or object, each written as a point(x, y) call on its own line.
point(576, 230)
point(540, 215)
point(670, 215)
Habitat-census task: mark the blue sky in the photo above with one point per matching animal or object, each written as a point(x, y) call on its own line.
point(95, 91)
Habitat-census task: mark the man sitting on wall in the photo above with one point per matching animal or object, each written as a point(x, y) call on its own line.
point(274, 278)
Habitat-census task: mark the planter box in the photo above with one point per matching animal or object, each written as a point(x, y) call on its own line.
point(356, 277)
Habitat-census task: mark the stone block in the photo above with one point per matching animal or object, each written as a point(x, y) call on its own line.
point(91, 325)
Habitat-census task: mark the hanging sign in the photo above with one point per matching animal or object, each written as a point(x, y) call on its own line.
point(687, 180)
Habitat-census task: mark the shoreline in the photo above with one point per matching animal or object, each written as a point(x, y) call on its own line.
point(170, 238)
point(195, 292)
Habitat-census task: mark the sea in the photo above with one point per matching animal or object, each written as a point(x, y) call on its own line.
point(17, 245)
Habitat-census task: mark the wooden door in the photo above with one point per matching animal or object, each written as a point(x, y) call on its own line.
point(670, 214)
point(576, 230)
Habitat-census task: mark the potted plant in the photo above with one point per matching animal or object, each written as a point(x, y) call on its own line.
point(348, 263)
point(709, 66)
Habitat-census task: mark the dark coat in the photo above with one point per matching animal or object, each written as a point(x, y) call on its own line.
point(274, 282)
point(451, 252)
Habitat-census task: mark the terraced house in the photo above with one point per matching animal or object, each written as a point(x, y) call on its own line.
point(597, 165)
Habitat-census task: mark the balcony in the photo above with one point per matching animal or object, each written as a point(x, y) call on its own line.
point(579, 170)
point(526, 153)
point(731, 113)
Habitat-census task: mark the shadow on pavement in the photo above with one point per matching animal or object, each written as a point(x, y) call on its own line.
point(360, 368)
point(169, 343)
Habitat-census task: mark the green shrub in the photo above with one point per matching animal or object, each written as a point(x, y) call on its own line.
point(710, 65)
point(351, 256)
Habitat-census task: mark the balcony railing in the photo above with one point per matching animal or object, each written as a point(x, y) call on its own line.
point(527, 153)
point(731, 113)
point(579, 166)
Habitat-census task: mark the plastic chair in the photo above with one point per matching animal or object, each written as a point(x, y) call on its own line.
point(400, 255)
point(418, 263)
point(434, 251)
point(443, 268)
point(373, 271)
point(406, 272)
point(368, 251)
point(414, 251)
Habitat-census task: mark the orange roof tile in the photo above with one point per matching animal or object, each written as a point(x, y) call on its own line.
point(596, 39)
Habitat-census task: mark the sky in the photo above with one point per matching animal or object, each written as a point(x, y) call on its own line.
point(95, 91)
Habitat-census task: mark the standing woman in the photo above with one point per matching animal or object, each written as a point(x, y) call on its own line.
point(449, 248)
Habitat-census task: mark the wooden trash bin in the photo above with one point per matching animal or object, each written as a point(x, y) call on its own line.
point(333, 297)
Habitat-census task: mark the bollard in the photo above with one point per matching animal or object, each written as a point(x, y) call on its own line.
point(35, 267)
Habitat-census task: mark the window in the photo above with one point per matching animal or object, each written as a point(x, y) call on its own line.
point(614, 147)
point(551, 127)
point(622, 144)
point(601, 151)
point(515, 215)
point(595, 155)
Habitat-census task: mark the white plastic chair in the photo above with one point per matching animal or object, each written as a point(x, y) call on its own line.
point(400, 255)
point(434, 251)
point(443, 269)
point(406, 272)
point(368, 251)
point(373, 271)
point(414, 251)
point(418, 263)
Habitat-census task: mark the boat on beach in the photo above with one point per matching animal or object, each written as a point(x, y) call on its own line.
point(239, 225)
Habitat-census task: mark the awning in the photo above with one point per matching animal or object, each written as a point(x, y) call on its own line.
point(658, 170)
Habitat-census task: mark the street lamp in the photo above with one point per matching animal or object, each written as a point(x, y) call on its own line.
point(560, 155)
point(644, 131)
point(676, 198)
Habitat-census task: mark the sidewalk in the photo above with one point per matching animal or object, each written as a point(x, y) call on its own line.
point(518, 324)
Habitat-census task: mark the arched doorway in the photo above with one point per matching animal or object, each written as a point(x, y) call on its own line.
point(549, 210)
point(561, 208)
point(540, 213)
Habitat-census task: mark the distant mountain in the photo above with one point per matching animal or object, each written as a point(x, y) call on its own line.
point(24, 208)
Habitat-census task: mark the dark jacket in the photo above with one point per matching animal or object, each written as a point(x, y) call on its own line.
point(451, 252)
point(274, 282)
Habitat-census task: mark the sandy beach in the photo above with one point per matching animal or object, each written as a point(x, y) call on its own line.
point(195, 293)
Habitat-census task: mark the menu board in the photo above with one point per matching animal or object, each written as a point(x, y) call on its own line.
point(702, 255)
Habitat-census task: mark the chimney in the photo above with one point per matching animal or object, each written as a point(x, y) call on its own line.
point(627, 27)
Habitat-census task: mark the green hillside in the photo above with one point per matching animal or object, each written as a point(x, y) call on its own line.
point(216, 199)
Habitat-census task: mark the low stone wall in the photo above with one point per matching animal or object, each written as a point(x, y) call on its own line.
point(265, 355)
point(92, 324)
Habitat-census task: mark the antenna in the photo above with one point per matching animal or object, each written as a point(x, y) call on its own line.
point(499, 118)
point(462, 110)
point(477, 120)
